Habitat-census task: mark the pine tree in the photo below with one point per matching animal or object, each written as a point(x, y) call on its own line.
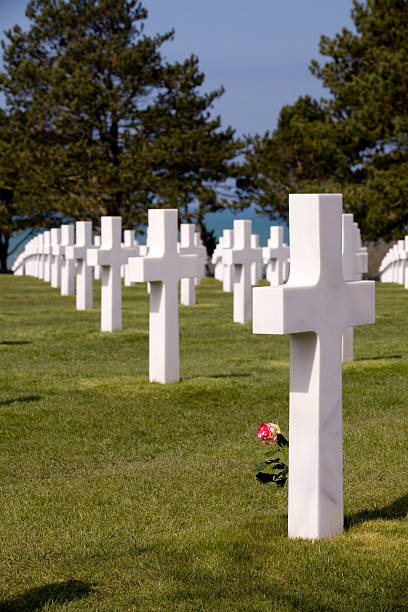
point(356, 140)
point(19, 208)
point(112, 128)
point(302, 155)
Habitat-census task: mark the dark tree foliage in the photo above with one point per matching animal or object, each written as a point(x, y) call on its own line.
point(17, 212)
point(298, 157)
point(110, 128)
point(359, 143)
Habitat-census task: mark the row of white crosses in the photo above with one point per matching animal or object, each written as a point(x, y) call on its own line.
point(394, 265)
point(314, 307)
point(45, 257)
point(275, 256)
point(162, 264)
point(53, 256)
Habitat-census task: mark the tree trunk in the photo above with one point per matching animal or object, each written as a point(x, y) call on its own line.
point(200, 222)
point(4, 246)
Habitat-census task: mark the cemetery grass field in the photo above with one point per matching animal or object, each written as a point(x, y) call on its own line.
point(117, 494)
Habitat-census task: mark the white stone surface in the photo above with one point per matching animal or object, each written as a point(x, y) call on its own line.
point(163, 267)
point(401, 262)
point(228, 269)
point(314, 308)
point(349, 263)
point(201, 252)
point(110, 256)
point(40, 244)
point(242, 256)
point(187, 247)
point(47, 256)
point(256, 266)
point(55, 257)
point(77, 255)
point(97, 269)
point(275, 256)
point(129, 241)
point(406, 263)
point(217, 260)
point(18, 267)
point(67, 265)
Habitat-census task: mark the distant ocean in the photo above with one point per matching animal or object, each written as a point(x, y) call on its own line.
point(224, 219)
point(216, 222)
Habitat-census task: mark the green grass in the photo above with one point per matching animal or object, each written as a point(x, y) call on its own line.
point(117, 494)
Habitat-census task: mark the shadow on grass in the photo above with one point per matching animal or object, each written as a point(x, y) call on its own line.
point(236, 375)
point(14, 342)
point(242, 375)
point(397, 510)
point(23, 400)
point(54, 593)
point(378, 357)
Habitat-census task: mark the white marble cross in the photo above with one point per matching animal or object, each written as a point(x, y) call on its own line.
point(67, 265)
point(401, 262)
point(77, 255)
point(242, 256)
point(110, 256)
point(314, 308)
point(228, 272)
point(406, 263)
point(55, 257)
point(129, 241)
point(40, 251)
point(349, 264)
point(47, 256)
point(163, 267)
point(201, 251)
point(31, 249)
point(97, 269)
point(256, 266)
point(186, 246)
point(19, 266)
point(275, 256)
point(217, 260)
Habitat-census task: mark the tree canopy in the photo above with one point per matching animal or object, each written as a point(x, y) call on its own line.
point(354, 141)
point(107, 126)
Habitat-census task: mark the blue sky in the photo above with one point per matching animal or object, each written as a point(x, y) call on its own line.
point(259, 51)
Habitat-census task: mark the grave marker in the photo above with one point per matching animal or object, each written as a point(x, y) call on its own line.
point(275, 256)
point(128, 243)
point(55, 257)
point(349, 263)
point(187, 247)
point(242, 256)
point(47, 256)
point(256, 266)
point(163, 267)
point(77, 255)
point(67, 265)
point(314, 308)
point(97, 269)
point(228, 272)
point(110, 256)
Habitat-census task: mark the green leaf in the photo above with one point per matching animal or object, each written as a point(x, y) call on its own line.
point(272, 452)
point(260, 466)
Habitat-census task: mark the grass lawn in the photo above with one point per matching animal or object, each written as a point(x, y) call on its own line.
point(117, 494)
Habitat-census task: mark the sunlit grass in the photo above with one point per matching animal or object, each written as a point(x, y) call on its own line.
point(118, 494)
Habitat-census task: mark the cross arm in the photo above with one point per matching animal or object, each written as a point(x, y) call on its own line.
point(98, 257)
point(145, 269)
point(75, 252)
point(295, 309)
point(58, 249)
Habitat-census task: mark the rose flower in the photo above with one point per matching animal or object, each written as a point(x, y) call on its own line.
point(268, 433)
